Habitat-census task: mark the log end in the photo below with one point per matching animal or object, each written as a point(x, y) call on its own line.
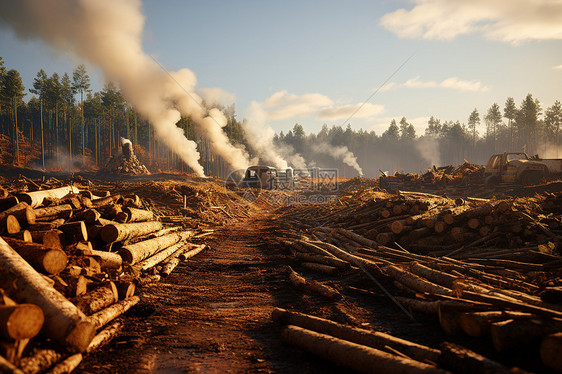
point(55, 261)
point(109, 233)
point(25, 321)
point(80, 336)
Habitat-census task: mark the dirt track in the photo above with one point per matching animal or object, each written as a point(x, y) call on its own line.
point(212, 314)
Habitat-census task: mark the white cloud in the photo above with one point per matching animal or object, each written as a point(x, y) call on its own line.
point(216, 95)
point(510, 21)
point(344, 111)
point(557, 67)
point(282, 105)
point(452, 83)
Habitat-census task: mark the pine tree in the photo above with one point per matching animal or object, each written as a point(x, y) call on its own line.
point(12, 90)
point(473, 121)
point(81, 84)
point(39, 89)
point(509, 112)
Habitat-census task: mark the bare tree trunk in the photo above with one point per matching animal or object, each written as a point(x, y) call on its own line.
point(16, 133)
point(42, 136)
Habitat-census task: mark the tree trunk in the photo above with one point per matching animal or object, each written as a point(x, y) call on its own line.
point(312, 287)
point(42, 136)
point(374, 339)
point(138, 215)
point(514, 334)
point(461, 360)
point(41, 258)
point(9, 224)
point(52, 210)
point(74, 232)
point(161, 256)
point(23, 213)
point(35, 199)
point(105, 336)
point(137, 252)
point(63, 321)
point(108, 314)
point(98, 299)
point(121, 231)
point(67, 365)
point(351, 355)
point(107, 260)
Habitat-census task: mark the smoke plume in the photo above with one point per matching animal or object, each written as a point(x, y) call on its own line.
point(339, 153)
point(108, 33)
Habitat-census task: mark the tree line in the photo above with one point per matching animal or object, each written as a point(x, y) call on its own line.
point(65, 125)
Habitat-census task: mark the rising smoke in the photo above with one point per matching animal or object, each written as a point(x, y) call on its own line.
point(108, 33)
point(339, 153)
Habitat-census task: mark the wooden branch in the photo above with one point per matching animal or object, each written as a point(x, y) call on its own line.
point(312, 286)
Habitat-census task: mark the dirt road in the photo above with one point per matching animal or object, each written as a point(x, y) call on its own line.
point(212, 314)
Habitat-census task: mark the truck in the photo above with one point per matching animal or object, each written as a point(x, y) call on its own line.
point(268, 178)
point(519, 168)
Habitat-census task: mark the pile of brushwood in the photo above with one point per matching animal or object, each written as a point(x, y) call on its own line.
point(126, 162)
point(486, 269)
point(446, 179)
point(71, 258)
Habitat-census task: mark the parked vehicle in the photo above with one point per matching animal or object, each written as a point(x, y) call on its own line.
point(520, 168)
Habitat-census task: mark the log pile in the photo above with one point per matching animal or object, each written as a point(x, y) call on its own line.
point(71, 259)
point(446, 179)
point(502, 284)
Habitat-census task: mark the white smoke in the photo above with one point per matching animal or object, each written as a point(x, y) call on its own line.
point(339, 153)
point(125, 141)
point(428, 146)
point(108, 33)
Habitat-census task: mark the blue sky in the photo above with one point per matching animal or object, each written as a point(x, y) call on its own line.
point(315, 62)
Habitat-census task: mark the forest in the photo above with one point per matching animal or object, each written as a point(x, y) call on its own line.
point(61, 124)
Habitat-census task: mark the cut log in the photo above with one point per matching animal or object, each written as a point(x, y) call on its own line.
point(97, 299)
point(160, 256)
point(416, 283)
point(77, 285)
point(121, 231)
point(63, 321)
point(449, 321)
point(137, 252)
point(67, 365)
point(152, 278)
point(39, 361)
point(23, 213)
point(551, 351)
point(312, 286)
point(8, 202)
point(42, 258)
point(351, 355)
point(44, 226)
point(21, 321)
point(461, 360)
point(514, 334)
point(49, 238)
point(478, 323)
point(105, 336)
point(103, 201)
point(335, 262)
point(35, 199)
point(320, 268)
point(107, 260)
point(53, 211)
point(6, 367)
point(74, 232)
point(192, 251)
point(108, 314)
point(9, 225)
point(138, 215)
point(368, 338)
point(91, 216)
point(24, 235)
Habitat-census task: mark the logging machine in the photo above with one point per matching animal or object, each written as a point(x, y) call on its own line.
point(520, 168)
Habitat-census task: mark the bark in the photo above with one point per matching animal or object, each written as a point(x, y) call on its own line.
point(107, 260)
point(517, 334)
point(23, 213)
point(551, 351)
point(43, 226)
point(40, 257)
point(97, 299)
point(74, 232)
point(49, 238)
point(103, 201)
point(121, 231)
point(21, 321)
point(137, 252)
point(161, 256)
point(53, 211)
point(478, 323)
point(125, 289)
point(105, 336)
point(67, 365)
point(320, 268)
point(351, 355)
point(64, 323)
point(106, 315)
point(374, 339)
point(39, 361)
point(312, 286)
point(464, 361)
point(138, 215)
point(416, 283)
point(323, 260)
point(35, 199)
point(24, 235)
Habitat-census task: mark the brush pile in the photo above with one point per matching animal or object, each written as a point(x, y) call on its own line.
point(485, 269)
point(71, 259)
point(445, 179)
point(127, 162)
